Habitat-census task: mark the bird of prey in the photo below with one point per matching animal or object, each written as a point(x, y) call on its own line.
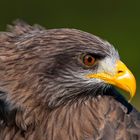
point(59, 84)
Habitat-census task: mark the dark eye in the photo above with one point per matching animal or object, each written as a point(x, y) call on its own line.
point(88, 60)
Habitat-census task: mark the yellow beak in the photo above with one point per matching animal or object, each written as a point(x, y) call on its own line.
point(123, 78)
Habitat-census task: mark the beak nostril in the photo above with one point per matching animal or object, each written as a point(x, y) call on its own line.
point(120, 71)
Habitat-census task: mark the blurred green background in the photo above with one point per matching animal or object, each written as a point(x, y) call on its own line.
point(117, 21)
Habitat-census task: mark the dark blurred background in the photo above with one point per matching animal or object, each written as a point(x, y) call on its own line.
point(117, 21)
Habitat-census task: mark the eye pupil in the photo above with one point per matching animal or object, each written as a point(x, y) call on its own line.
point(90, 59)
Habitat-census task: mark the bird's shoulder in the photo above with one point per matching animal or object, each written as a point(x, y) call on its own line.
point(121, 122)
point(101, 118)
